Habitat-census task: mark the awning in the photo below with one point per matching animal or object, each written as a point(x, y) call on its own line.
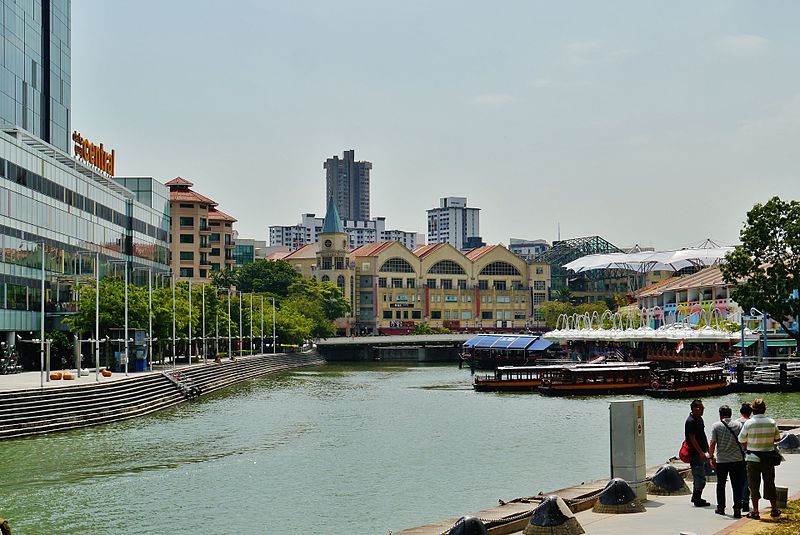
point(522, 342)
point(747, 343)
point(781, 343)
point(540, 345)
point(486, 341)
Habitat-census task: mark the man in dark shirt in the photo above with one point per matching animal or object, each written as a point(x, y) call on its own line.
point(695, 432)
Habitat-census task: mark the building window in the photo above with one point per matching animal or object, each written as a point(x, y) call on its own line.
point(339, 263)
point(397, 283)
point(215, 237)
point(185, 205)
point(446, 267)
point(214, 267)
point(325, 278)
point(397, 265)
point(499, 285)
point(326, 263)
point(500, 268)
point(340, 282)
point(187, 272)
point(203, 273)
point(538, 285)
point(387, 314)
point(381, 282)
point(411, 283)
point(539, 270)
point(486, 314)
point(436, 314)
point(538, 299)
point(187, 255)
point(187, 238)
point(483, 285)
point(466, 315)
point(447, 284)
point(187, 221)
point(416, 315)
point(430, 283)
point(462, 284)
point(215, 251)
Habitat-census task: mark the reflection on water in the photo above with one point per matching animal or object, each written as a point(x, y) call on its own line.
point(334, 449)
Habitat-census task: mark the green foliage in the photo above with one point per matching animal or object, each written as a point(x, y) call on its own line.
point(328, 296)
point(112, 307)
point(765, 268)
point(266, 276)
point(226, 278)
point(422, 328)
point(61, 346)
point(551, 310)
point(563, 295)
point(599, 307)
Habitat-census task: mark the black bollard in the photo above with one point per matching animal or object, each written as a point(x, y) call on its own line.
point(468, 525)
point(553, 517)
point(667, 482)
point(618, 497)
point(784, 376)
point(740, 367)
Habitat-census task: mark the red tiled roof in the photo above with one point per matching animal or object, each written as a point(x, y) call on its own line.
point(179, 181)
point(424, 250)
point(710, 276)
point(190, 196)
point(306, 251)
point(219, 215)
point(278, 255)
point(475, 254)
point(371, 249)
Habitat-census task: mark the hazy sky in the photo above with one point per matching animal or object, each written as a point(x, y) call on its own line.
point(658, 123)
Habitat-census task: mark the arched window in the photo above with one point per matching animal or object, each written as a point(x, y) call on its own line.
point(500, 268)
point(340, 282)
point(446, 267)
point(325, 278)
point(397, 265)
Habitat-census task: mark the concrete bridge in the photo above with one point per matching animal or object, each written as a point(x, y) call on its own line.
point(417, 347)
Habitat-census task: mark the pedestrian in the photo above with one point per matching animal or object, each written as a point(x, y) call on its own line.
point(759, 434)
point(729, 459)
point(746, 410)
point(695, 434)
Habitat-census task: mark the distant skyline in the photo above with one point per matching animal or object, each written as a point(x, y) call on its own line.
point(644, 122)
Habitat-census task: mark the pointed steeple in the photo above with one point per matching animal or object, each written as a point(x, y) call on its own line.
point(332, 221)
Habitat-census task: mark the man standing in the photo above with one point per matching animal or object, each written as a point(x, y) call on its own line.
point(695, 433)
point(759, 434)
point(729, 460)
point(745, 412)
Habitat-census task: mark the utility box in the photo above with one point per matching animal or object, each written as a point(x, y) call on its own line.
point(627, 444)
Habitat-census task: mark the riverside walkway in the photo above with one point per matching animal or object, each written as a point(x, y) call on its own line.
point(664, 515)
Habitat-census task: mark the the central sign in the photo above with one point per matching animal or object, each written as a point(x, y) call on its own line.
point(93, 154)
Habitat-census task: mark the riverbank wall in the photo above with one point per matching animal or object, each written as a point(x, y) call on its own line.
point(33, 411)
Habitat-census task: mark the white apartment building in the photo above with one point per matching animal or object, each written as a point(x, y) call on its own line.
point(359, 233)
point(454, 223)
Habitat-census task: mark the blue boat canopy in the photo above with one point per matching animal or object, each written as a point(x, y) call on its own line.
point(518, 342)
point(540, 345)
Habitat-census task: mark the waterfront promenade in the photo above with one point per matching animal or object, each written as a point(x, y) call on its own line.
point(664, 515)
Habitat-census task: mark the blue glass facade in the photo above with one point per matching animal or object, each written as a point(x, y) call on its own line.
point(35, 67)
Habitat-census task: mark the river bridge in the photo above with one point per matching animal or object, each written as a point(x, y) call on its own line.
point(415, 347)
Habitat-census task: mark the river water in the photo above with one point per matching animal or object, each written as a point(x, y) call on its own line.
point(337, 449)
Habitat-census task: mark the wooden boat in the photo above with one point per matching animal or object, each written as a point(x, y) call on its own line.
point(689, 382)
point(592, 379)
point(515, 378)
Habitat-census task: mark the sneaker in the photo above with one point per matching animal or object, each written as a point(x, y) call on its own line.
point(701, 503)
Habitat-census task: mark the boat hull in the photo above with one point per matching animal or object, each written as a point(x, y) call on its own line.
point(592, 390)
point(507, 386)
point(689, 391)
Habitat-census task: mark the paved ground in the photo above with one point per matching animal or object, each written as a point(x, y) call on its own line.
point(28, 380)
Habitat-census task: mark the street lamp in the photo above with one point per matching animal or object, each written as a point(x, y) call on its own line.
point(251, 323)
point(190, 323)
point(172, 279)
point(273, 326)
point(241, 345)
point(261, 332)
point(205, 360)
point(125, 338)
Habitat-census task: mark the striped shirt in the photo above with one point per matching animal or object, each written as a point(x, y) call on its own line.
point(760, 434)
point(727, 446)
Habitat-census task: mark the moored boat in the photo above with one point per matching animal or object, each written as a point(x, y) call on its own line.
point(594, 379)
point(515, 378)
point(689, 382)
point(488, 351)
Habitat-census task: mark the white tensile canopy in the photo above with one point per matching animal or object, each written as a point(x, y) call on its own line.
point(646, 261)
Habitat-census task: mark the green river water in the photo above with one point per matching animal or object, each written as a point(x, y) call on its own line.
point(337, 449)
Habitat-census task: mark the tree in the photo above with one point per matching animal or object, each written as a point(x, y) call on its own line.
point(551, 310)
point(765, 269)
point(563, 295)
point(333, 302)
point(226, 278)
point(112, 307)
point(266, 276)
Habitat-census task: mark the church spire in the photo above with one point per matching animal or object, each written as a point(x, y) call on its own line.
point(332, 221)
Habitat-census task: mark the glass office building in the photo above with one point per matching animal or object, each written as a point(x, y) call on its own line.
point(51, 202)
point(35, 60)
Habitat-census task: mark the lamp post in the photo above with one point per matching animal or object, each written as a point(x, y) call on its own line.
point(261, 332)
point(190, 323)
point(126, 318)
point(241, 348)
point(97, 318)
point(41, 337)
point(203, 288)
point(172, 280)
point(230, 343)
point(251, 323)
point(273, 326)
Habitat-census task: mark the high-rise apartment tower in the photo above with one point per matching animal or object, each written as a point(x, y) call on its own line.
point(35, 83)
point(347, 182)
point(454, 223)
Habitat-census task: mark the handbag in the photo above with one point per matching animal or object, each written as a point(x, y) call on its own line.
point(769, 458)
point(683, 454)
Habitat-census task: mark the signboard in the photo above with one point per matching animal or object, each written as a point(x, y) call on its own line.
point(93, 154)
point(401, 305)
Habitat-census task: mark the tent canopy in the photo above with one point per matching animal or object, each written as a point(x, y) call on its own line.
point(646, 261)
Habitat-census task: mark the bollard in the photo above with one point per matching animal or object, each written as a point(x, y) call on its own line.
point(553, 517)
point(468, 525)
point(781, 496)
point(667, 482)
point(618, 497)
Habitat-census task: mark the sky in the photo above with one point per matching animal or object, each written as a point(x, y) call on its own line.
point(650, 123)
